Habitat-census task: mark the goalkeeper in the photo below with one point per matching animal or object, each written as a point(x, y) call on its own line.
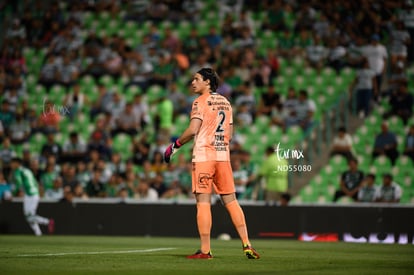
point(211, 126)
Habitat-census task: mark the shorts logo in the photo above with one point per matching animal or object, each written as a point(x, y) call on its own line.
point(204, 180)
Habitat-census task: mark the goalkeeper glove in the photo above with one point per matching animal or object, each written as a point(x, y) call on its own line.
point(171, 150)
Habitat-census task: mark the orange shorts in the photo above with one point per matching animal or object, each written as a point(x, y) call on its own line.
point(209, 174)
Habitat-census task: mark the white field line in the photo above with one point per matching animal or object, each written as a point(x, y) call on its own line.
point(98, 252)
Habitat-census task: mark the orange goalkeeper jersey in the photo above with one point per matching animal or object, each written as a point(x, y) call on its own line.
point(211, 143)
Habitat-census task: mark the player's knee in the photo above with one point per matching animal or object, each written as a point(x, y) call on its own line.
point(228, 198)
point(30, 218)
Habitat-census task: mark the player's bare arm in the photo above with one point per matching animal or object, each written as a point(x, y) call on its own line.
point(191, 131)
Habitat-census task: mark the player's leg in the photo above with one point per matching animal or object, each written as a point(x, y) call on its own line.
point(204, 221)
point(224, 185)
point(202, 186)
point(30, 204)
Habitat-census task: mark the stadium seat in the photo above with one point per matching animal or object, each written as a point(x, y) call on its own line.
point(405, 165)
point(338, 163)
point(57, 94)
point(383, 164)
point(107, 80)
point(154, 92)
point(121, 144)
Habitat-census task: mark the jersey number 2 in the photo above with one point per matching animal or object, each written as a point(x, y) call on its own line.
point(222, 116)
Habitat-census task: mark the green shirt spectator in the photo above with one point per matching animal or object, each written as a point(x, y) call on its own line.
point(274, 172)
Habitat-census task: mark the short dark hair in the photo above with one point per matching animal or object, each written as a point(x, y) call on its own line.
point(372, 176)
point(342, 129)
point(210, 74)
point(387, 175)
point(17, 159)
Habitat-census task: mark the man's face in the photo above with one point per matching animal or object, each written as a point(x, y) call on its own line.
point(198, 84)
point(14, 165)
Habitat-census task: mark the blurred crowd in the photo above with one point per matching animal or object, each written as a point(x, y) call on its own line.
point(238, 42)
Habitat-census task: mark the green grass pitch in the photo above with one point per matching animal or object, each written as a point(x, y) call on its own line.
point(152, 255)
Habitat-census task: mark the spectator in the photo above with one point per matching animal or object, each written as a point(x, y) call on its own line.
point(401, 103)
point(409, 143)
point(141, 110)
point(56, 192)
point(116, 104)
point(67, 195)
point(5, 189)
point(75, 101)
point(342, 144)
point(397, 77)
point(163, 71)
point(275, 183)
point(49, 119)
point(2, 134)
point(157, 164)
point(284, 199)
point(164, 117)
point(400, 41)
point(6, 115)
point(169, 42)
point(244, 117)
point(51, 147)
point(368, 192)
point(291, 101)
point(103, 102)
point(113, 185)
point(386, 144)
point(159, 185)
point(131, 182)
point(47, 178)
point(141, 148)
point(377, 56)
point(68, 73)
point(100, 140)
point(127, 122)
point(48, 73)
point(171, 176)
point(12, 97)
point(268, 100)
point(279, 117)
point(95, 187)
point(34, 166)
point(350, 183)
point(365, 88)
point(7, 153)
point(138, 70)
point(79, 192)
point(69, 176)
point(286, 44)
point(178, 99)
point(405, 14)
point(305, 110)
point(213, 38)
point(117, 165)
point(240, 176)
point(262, 74)
point(246, 97)
point(145, 192)
point(389, 191)
point(275, 19)
point(336, 55)
point(74, 149)
point(19, 130)
point(82, 174)
point(316, 54)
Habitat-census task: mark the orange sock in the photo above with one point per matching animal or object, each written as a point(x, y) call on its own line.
point(204, 225)
point(237, 217)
